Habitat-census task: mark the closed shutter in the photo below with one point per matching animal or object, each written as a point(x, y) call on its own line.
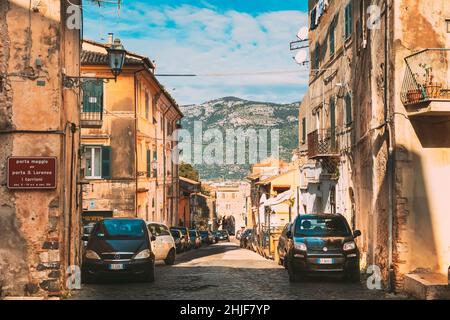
point(303, 130)
point(149, 164)
point(93, 96)
point(155, 159)
point(106, 162)
point(313, 19)
point(333, 122)
point(348, 21)
point(332, 40)
point(348, 110)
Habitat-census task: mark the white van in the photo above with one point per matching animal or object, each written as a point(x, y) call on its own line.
point(164, 245)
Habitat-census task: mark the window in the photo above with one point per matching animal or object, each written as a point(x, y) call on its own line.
point(348, 110)
point(332, 40)
point(447, 23)
point(316, 58)
point(155, 164)
point(93, 96)
point(149, 163)
point(303, 130)
point(147, 105)
point(98, 162)
point(348, 21)
point(313, 19)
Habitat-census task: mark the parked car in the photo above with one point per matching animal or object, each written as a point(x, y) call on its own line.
point(223, 235)
point(282, 244)
point(87, 229)
point(322, 243)
point(245, 238)
point(207, 237)
point(185, 233)
point(180, 241)
point(164, 245)
point(119, 247)
point(196, 239)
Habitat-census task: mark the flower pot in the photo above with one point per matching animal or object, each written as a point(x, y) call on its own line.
point(414, 95)
point(433, 90)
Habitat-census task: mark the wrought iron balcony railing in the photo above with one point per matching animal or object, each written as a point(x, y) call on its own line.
point(426, 80)
point(323, 143)
point(91, 118)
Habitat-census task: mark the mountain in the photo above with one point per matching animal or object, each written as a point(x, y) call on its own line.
point(234, 113)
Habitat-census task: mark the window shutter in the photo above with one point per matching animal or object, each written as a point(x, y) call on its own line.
point(332, 40)
point(155, 159)
point(348, 21)
point(313, 19)
point(149, 164)
point(106, 162)
point(93, 96)
point(348, 109)
point(303, 130)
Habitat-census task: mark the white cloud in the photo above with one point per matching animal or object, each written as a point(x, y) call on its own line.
point(188, 39)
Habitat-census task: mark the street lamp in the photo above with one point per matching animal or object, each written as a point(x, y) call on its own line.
point(116, 56)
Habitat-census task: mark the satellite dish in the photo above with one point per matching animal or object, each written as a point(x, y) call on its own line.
point(302, 34)
point(301, 57)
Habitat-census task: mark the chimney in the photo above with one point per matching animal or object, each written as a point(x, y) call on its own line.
point(110, 38)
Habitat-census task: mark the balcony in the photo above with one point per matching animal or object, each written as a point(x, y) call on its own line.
point(322, 144)
point(91, 117)
point(426, 90)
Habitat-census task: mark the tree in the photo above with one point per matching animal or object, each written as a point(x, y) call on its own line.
point(187, 171)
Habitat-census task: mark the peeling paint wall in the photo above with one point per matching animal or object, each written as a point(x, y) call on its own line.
point(422, 149)
point(38, 229)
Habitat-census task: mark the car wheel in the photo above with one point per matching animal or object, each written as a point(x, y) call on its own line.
point(353, 277)
point(150, 275)
point(170, 259)
point(293, 276)
point(87, 278)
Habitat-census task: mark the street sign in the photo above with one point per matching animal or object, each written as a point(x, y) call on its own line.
point(31, 173)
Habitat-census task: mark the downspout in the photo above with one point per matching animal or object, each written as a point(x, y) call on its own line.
point(136, 169)
point(390, 160)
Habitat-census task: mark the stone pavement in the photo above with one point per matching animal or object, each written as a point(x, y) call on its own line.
point(225, 271)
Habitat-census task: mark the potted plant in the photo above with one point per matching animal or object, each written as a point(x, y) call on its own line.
point(431, 89)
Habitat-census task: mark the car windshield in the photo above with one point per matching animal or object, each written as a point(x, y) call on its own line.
point(192, 233)
point(322, 227)
point(120, 229)
point(175, 234)
point(183, 231)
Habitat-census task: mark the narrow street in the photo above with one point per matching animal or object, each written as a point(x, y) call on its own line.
point(224, 271)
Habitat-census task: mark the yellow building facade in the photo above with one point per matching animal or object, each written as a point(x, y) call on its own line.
point(127, 141)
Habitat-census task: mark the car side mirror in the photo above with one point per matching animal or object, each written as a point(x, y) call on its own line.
point(152, 238)
point(85, 238)
point(356, 233)
point(289, 234)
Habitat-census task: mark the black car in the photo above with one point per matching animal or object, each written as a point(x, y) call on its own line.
point(322, 243)
point(222, 235)
point(119, 247)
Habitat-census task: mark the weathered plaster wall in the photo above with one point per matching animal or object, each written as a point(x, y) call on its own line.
point(422, 150)
point(35, 245)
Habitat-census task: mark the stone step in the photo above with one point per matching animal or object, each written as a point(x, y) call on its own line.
point(427, 286)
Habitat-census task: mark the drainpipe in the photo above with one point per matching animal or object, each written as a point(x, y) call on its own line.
point(390, 160)
point(136, 163)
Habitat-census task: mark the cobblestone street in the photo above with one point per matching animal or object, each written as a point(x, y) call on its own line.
point(225, 271)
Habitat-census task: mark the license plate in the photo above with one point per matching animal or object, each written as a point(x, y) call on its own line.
point(116, 266)
point(325, 261)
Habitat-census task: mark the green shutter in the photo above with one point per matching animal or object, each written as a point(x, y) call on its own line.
point(348, 109)
point(332, 40)
point(106, 162)
point(149, 164)
point(348, 21)
point(155, 159)
point(303, 130)
point(93, 90)
point(333, 122)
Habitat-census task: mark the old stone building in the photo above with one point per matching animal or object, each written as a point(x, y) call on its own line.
point(374, 128)
point(39, 120)
point(127, 141)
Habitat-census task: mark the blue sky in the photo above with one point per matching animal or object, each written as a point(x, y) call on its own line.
point(211, 37)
